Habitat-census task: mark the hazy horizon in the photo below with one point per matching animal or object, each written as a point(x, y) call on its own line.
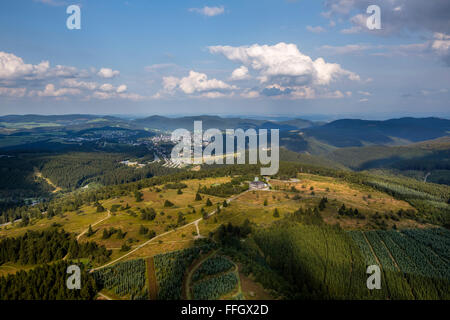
point(273, 117)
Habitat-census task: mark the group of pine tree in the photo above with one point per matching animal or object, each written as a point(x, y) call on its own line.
point(39, 247)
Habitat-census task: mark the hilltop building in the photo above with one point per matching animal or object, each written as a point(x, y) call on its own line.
point(258, 185)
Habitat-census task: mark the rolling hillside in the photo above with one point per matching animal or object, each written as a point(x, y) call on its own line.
point(357, 133)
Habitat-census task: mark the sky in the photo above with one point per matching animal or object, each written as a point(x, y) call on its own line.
point(252, 57)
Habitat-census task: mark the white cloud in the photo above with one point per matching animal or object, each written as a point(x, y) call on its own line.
point(13, 92)
point(131, 96)
point(240, 73)
point(359, 24)
point(250, 94)
point(441, 45)
point(73, 83)
point(213, 95)
point(397, 16)
point(438, 46)
point(170, 83)
point(122, 88)
point(334, 95)
point(105, 95)
point(347, 49)
point(14, 71)
point(209, 11)
point(51, 91)
point(108, 73)
point(13, 67)
point(364, 100)
point(51, 2)
point(284, 64)
point(159, 66)
point(195, 82)
point(317, 29)
point(106, 87)
point(102, 95)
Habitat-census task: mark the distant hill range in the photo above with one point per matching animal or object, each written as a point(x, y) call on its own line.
point(159, 123)
point(169, 124)
point(412, 145)
point(297, 134)
point(356, 133)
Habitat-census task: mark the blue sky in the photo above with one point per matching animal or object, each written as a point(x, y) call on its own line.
point(300, 57)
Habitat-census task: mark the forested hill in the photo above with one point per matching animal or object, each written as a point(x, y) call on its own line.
point(155, 122)
point(165, 123)
point(355, 133)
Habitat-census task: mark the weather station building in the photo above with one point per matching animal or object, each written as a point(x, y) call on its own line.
point(258, 185)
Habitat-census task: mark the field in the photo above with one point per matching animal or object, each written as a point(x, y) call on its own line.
point(129, 221)
point(75, 221)
point(11, 268)
point(420, 255)
point(125, 279)
point(258, 206)
point(213, 278)
point(166, 219)
point(366, 200)
point(290, 254)
point(170, 268)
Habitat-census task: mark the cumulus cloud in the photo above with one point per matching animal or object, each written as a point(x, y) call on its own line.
point(195, 82)
point(284, 64)
point(214, 95)
point(240, 73)
point(397, 16)
point(106, 87)
point(359, 23)
point(122, 88)
point(73, 83)
point(317, 29)
point(347, 49)
point(14, 72)
point(106, 95)
point(51, 91)
point(209, 11)
point(13, 92)
point(108, 73)
point(437, 46)
point(159, 66)
point(13, 67)
point(51, 2)
point(250, 94)
point(440, 45)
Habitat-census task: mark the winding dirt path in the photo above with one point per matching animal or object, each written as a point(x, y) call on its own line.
point(195, 222)
point(104, 296)
point(92, 225)
point(187, 280)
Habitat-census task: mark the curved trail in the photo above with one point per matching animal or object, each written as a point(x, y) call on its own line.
point(81, 234)
point(187, 280)
point(195, 222)
point(104, 296)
